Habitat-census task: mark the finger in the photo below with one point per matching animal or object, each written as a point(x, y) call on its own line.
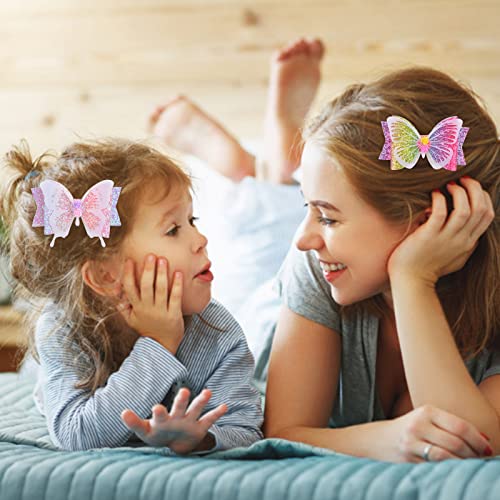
point(478, 200)
point(135, 423)
point(461, 213)
point(450, 442)
point(212, 416)
point(180, 403)
point(439, 212)
point(129, 285)
point(486, 219)
point(161, 288)
point(435, 454)
point(175, 300)
point(462, 429)
point(147, 280)
point(159, 414)
point(198, 404)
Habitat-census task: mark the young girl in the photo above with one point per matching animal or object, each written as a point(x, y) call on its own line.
point(387, 344)
point(127, 324)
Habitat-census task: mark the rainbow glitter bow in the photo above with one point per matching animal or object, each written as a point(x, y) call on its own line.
point(442, 147)
point(56, 209)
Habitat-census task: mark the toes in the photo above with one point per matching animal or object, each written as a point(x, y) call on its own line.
point(317, 48)
point(310, 46)
point(301, 47)
point(293, 48)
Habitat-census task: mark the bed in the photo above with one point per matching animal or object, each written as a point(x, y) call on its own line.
point(32, 468)
point(262, 218)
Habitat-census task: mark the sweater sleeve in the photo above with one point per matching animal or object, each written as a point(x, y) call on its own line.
point(79, 420)
point(231, 383)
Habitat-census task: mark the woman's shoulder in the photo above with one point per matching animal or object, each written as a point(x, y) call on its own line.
point(303, 289)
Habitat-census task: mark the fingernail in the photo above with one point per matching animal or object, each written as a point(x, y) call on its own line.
point(466, 177)
point(488, 451)
point(178, 275)
point(485, 436)
point(452, 183)
point(151, 258)
point(436, 191)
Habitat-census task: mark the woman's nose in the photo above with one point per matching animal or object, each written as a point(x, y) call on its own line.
point(308, 238)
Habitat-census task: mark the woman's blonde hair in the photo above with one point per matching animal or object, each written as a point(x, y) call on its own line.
point(349, 130)
point(43, 274)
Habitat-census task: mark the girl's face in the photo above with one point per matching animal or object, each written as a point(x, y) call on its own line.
point(167, 229)
point(344, 230)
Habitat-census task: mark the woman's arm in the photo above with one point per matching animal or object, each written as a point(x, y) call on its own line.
point(302, 384)
point(435, 371)
point(303, 375)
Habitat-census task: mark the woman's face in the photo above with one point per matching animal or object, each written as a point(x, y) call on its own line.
point(350, 238)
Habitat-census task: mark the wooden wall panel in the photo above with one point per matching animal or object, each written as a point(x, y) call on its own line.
point(97, 67)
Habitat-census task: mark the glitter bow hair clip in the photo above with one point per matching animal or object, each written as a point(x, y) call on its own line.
point(56, 209)
point(442, 147)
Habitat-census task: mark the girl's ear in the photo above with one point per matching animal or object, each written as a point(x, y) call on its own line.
point(101, 278)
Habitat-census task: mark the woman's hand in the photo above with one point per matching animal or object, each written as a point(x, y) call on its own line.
point(439, 433)
point(149, 310)
point(181, 430)
point(443, 243)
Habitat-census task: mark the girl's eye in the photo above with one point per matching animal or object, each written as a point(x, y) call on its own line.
point(326, 222)
point(173, 231)
point(193, 220)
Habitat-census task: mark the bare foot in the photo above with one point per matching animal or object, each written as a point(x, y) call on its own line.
point(295, 77)
point(187, 128)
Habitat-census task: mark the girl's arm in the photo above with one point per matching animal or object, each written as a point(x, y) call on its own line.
point(78, 421)
point(229, 386)
point(302, 384)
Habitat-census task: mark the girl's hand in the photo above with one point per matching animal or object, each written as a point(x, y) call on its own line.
point(149, 310)
point(443, 244)
point(182, 430)
point(448, 435)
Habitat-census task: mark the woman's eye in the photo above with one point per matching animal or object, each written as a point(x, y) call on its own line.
point(173, 231)
point(193, 220)
point(326, 222)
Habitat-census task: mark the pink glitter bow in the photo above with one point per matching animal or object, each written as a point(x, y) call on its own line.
point(56, 209)
point(404, 144)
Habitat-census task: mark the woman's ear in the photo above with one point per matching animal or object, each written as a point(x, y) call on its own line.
point(422, 218)
point(101, 277)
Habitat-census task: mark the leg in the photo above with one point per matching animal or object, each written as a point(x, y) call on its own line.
point(295, 77)
point(186, 127)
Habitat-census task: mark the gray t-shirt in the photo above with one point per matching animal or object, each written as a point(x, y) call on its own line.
point(304, 290)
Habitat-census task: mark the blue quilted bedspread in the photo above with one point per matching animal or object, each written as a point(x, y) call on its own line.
point(32, 468)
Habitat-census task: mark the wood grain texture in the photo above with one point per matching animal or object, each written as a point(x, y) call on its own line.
point(92, 68)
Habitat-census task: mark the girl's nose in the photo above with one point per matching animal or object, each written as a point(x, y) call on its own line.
point(200, 241)
point(308, 238)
